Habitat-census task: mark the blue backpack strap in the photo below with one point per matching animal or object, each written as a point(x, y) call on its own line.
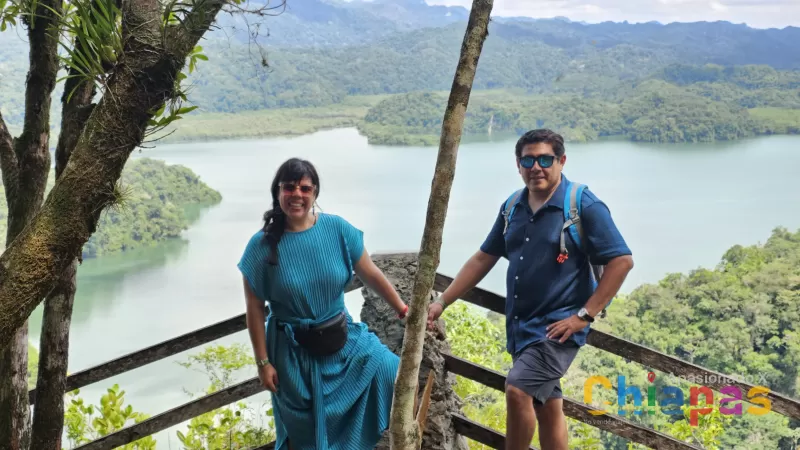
point(572, 223)
point(575, 197)
point(510, 206)
point(572, 218)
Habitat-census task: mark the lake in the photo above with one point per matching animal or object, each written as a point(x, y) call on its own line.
point(679, 207)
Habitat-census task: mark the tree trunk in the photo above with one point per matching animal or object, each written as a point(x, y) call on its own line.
point(48, 417)
point(25, 169)
point(404, 430)
point(144, 78)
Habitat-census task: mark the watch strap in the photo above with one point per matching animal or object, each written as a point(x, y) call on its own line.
point(441, 302)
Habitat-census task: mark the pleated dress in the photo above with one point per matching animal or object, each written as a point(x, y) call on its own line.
point(337, 402)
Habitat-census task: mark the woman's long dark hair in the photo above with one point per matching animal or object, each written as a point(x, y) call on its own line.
point(291, 171)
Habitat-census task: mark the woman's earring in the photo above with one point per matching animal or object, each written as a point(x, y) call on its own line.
point(314, 209)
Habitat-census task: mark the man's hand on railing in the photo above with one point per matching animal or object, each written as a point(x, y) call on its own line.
point(434, 311)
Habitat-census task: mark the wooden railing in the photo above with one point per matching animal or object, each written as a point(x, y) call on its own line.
point(572, 408)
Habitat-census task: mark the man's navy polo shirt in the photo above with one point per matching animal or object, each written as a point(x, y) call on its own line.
point(539, 290)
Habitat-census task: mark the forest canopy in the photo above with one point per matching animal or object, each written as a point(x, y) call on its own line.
point(680, 103)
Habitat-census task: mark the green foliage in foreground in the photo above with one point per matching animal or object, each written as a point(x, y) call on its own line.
point(85, 423)
point(667, 107)
point(739, 319)
point(234, 427)
point(155, 203)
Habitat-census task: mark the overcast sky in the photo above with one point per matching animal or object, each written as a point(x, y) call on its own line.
point(755, 13)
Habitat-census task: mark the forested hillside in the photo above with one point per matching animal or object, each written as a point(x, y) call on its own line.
point(317, 53)
point(680, 103)
point(539, 57)
point(158, 202)
point(739, 319)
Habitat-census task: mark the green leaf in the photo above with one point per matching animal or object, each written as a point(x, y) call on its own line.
point(186, 109)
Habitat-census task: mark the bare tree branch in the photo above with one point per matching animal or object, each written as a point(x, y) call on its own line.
point(8, 159)
point(48, 417)
point(24, 199)
point(183, 37)
point(74, 115)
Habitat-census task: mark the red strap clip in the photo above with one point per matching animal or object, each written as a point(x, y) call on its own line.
point(562, 257)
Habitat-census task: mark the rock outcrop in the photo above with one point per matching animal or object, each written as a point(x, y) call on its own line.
point(382, 320)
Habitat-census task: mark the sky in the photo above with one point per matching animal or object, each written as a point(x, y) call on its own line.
point(755, 13)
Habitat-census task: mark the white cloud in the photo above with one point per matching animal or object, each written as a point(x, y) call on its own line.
point(719, 7)
point(755, 13)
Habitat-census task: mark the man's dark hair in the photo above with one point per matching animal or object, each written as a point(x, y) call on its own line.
point(541, 135)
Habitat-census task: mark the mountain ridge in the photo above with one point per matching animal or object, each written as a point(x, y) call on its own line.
point(320, 51)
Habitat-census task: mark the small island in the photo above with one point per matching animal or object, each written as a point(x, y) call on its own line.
point(156, 202)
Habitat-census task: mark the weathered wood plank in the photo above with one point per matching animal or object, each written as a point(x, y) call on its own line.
point(650, 358)
point(480, 433)
point(151, 354)
point(176, 415)
point(574, 409)
point(162, 350)
point(476, 296)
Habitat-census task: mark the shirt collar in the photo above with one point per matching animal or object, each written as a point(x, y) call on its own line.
point(557, 199)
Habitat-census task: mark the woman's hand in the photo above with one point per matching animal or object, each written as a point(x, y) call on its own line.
point(403, 312)
point(269, 377)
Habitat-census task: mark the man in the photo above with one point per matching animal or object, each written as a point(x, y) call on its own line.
point(551, 299)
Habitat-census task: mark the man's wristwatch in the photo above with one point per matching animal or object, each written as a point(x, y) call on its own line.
point(441, 302)
point(583, 314)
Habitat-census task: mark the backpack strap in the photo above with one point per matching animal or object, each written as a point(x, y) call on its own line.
point(572, 218)
point(510, 206)
point(572, 223)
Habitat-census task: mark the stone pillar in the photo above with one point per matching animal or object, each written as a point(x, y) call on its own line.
point(382, 320)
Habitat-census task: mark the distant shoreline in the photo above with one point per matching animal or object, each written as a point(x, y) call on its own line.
point(296, 122)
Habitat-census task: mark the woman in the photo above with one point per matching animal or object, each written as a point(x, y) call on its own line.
point(331, 380)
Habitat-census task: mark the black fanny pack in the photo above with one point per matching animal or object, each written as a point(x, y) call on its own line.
point(324, 339)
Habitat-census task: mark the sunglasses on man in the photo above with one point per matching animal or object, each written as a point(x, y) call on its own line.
point(544, 161)
point(289, 188)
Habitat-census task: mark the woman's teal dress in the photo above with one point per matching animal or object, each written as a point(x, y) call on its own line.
point(337, 402)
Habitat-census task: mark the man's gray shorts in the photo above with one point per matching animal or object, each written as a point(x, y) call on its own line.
point(538, 369)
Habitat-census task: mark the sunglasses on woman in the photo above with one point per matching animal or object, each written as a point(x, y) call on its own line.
point(289, 188)
point(544, 161)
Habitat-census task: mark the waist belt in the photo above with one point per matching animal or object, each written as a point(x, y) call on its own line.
point(321, 339)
